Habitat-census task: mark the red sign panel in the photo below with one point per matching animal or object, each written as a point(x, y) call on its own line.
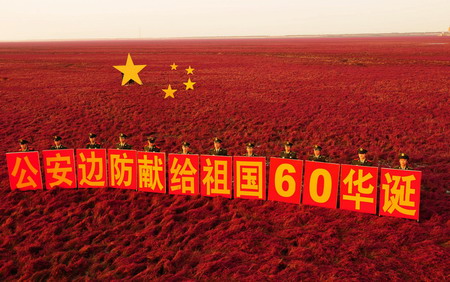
point(24, 171)
point(59, 168)
point(184, 174)
point(215, 176)
point(91, 168)
point(152, 172)
point(285, 180)
point(321, 184)
point(359, 188)
point(122, 169)
point(250, 177)
point(400, 193)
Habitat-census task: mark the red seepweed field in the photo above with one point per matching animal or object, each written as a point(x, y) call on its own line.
point(386, 94)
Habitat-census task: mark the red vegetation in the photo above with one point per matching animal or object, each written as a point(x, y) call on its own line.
point(388, 95)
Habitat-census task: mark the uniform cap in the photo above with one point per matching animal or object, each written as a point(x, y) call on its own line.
point(123, 135)
point(250, 145)
point(186, 144)
point(57, 138)
point(217, 140)
point(403, 156)
point(151, 139)
point(288, 143)
point(23, 141)
point(317, 148)
point(92, 135)
point(362, 151)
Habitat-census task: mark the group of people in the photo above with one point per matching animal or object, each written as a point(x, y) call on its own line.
point(218, 150)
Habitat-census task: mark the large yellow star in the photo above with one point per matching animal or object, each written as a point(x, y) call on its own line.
point(190, 70)
point(189, 84)
point(130, 71)
point(169, 92)
point(173, 66)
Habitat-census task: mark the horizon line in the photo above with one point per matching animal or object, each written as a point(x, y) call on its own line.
point(337, 35)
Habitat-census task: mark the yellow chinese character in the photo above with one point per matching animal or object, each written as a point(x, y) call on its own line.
point(219, 180)
point(149, 173)
point(31, 168)
point(186, 171)
point(94, 163)
point(59, 173)
point(119, 168)
point(398, 196)
point(249, 179)
point(361, 190)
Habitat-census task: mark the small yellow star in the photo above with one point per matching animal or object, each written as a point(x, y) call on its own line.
point(190, 70)
point(189, 84)
point(130, 71)
point(173, 66)
point(169, 92)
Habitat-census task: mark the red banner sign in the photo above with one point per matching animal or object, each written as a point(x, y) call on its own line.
point(59, 168)
point(285, 180)
point(24, 171)
point(359, 188)
point(400, 193)
point(184, 174)
point(122, 169)
point(152, 172)
point(321, 184)
point(91, 168)
point(216, 176)
point(250, 177)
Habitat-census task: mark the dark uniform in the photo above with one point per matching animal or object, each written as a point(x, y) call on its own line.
point(94, 145)
point(357, 161)
point(319, 158)
point(123, 146)
point(57, 147)
point(187, 145)
point(250, 145)
point(290, 155)
point(218, 152)
point(405, 157)
point(25, 148)
point(151, 147)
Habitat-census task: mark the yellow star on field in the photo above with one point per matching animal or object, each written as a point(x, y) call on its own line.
point(169, 92)
point(190, 70)
point(189, 84)
point(173, 66)
point(130, 71)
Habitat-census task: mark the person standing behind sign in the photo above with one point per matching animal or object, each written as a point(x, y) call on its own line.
point(403, 160)
point(287, 153)
point(151, 147)
point(123, 145)
point(362, 160)
point(317, 156)
point(92, 143)
point(218, 150)
point(250, 150)
point(24, 146)
point(58, 145)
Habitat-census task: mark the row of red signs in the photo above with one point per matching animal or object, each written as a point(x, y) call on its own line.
point(324, 184)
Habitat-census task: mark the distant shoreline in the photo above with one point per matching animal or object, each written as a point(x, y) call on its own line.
point(350, 35)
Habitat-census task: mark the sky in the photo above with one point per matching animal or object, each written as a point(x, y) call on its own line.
point(105, 19)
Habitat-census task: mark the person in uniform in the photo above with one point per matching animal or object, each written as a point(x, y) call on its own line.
point(123, 145)
point(403, 160)
point(151, 147)
point(317, 156)
point(58, 145)
point(361, 160)
point(250, 150)
point(24, 146)
point(92, 143)
point(185, 148)
point(218, 150)
point(287, 153)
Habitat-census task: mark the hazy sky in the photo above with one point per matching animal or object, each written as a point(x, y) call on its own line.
point(86, 19)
